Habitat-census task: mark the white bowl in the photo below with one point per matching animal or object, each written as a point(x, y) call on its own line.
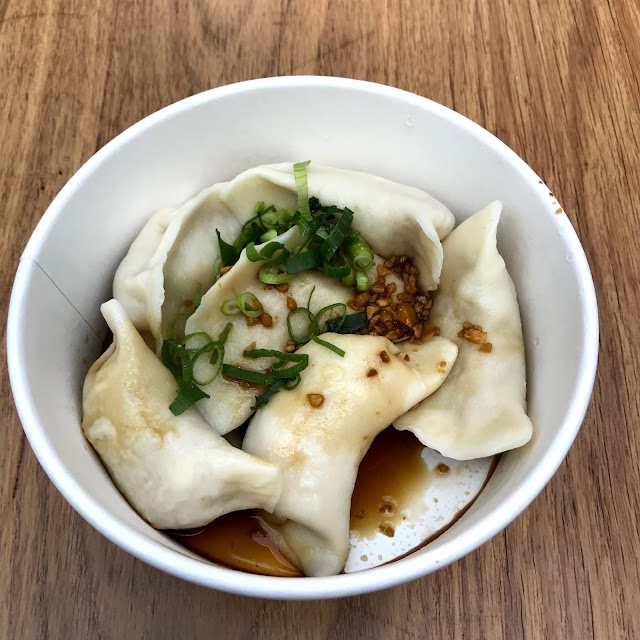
point(67, 268)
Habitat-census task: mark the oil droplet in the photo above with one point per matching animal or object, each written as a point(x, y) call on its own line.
point(442, 468)
point(364, 558)
point(408, 121)
point(569, 257)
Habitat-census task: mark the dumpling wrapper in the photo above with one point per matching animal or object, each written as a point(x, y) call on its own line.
point(229, 404)
point(171, 258)
point(393, 218)
point(319, 449)
point(175, 471)
point(481, 408)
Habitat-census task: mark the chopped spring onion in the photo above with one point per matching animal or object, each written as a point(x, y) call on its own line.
point(351, 323)
point(251, 232)
point(205, 372)
point(301, 336)
point(300, 176)
point(230, 307)
point(263, 398)
point(249, 305)
point(359, 250)
point(248, 376)
point(350, 280)
point(337, 235)
point(278, 369)
point(338, 268)
point(183, 359)
point(246, 303)
point(228, 253)
point(276, 252)
point(177, 359)
point(268, 235)
point(362, 282)
point(303, 261)
point(328, 345)
point(273, 274)
point(336, 311)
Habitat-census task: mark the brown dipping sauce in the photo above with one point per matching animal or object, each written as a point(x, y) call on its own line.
point(389, 477)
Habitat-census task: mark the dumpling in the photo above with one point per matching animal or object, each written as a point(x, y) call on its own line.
point(318, 433)
point(229, 404)
point(171, 258)
point(481, 408)
point(174, 470)
point(419, 220)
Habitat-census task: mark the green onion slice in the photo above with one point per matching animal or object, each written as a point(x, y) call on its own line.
point(249, 376)
point(230, 307)
point(302, 187)
point(228, 253)
point(304, 260)
point(339, 267)
point(359, 250)
point(276, 252)
point(328, 345)
point(205, 372)
point(273, 274)
point(279, 370)
point(337, 235)
point(301, 337)
point(336, 315)
point(349, 324)
point(268, 235)
point(249, 305)
point(362, 282)
point(263, 398)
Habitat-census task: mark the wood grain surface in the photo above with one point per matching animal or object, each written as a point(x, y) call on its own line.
point(557, 81)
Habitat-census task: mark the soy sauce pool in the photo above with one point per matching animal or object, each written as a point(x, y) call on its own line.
point(391, 476)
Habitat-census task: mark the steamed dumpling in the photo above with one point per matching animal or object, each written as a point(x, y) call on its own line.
point(480, 409)
point(319, 448)
point(171, 258)
point(174, 470)
point(419, 220)
point(230, 403)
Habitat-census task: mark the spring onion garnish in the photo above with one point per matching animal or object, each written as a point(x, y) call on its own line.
point(251, 232)
point(184, 359)
point(338, 268)
point(246, 303)
point(268, 235)
point(249, 305)
point(359, 250)
point(263, 398)
point(310, 325)
point(300, 176)
point(328, 345)
point(278, 369)
point(362, 282)
point(337, 235)
point(349, 324)
point(336, 315)
point(198, 298)
point(230, 307)
point(276, 252)
point(228, 253)
point(248, 376)
point(303, 261)
point(274, 274)
point(350, 280)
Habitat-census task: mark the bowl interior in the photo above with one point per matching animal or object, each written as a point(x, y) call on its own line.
point(55, 328)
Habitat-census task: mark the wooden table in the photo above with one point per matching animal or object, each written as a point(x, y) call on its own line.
point(559, 84)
